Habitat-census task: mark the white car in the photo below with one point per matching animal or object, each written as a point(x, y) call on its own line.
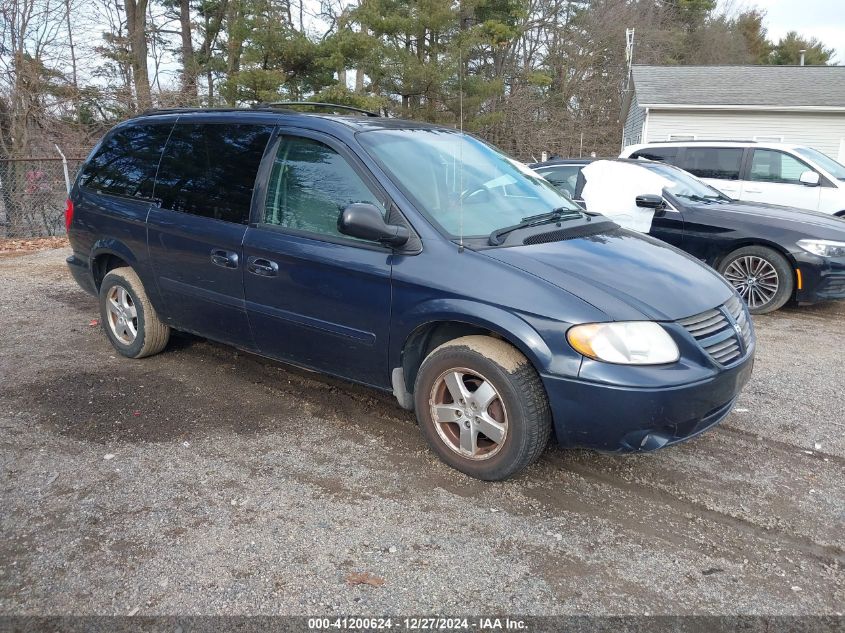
point(775, 173)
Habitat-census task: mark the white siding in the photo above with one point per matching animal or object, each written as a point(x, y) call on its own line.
point(633, 129)
point(825, 132)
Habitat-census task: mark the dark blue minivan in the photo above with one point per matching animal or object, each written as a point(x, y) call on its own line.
point(410, 258)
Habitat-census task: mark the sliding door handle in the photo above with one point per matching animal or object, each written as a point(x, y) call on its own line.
point(262, 267)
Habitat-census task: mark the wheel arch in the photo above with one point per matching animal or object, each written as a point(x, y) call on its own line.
point(108, 254)
point(433, 328)
point(735, 246)
point(780, 250)
point(790, 259)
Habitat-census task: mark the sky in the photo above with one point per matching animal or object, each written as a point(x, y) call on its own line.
point(822, 19)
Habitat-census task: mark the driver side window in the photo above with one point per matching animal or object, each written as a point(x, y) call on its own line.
point(310, 185)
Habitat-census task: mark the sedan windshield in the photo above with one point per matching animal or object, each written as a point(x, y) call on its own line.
point(463, 185)
point(685, 185)
point(823, 160)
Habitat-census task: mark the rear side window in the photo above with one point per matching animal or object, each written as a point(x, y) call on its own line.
point(209, 169)
point(713, 162)
point(126, 162)
point(663, 154)
point(773, 166)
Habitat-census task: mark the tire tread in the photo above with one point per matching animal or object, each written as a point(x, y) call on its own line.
point(156, 334)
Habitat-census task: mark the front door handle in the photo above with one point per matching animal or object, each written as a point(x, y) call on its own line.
point(262, 267)
point(226, 259)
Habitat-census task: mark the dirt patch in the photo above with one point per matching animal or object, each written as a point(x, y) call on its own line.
point(123, 404)
point(13, 246)
point(503, 354)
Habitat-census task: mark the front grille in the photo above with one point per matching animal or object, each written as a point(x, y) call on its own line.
point(739, 313)
point(715, 332)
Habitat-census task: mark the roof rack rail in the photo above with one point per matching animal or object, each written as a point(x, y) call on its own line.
point(705, 140)
point(318, 104)
point(186, 110)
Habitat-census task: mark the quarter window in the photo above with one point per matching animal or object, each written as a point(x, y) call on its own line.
point(714, 162)
point(773, 166)
point(209, 169)
point(310, 185)
point(126, 162)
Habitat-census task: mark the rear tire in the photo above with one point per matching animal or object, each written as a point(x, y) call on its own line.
point(482, 407)
point(762, 277)
point(127, 316)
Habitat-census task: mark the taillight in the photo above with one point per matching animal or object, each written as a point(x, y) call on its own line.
point(68, 214)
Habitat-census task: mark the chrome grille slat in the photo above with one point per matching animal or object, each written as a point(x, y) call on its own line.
point(693, 321)
point(716, 334)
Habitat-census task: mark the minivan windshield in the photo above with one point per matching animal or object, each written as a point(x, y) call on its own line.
point(463, 185)
point(685, 185)
point(824, 161)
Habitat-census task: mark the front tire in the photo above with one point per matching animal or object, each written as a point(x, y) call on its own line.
point(127, 316)
point(761, 276)
point(482, 407)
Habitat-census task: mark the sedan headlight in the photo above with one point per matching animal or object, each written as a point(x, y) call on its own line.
point(632, 343)
point(823, 248)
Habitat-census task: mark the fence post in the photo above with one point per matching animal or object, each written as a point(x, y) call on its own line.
point(64, 165)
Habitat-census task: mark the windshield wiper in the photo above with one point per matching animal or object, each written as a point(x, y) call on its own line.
point(561, 213)
point(697, 198)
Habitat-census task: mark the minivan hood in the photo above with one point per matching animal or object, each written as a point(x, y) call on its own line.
point(820, 224)
point(626, 275)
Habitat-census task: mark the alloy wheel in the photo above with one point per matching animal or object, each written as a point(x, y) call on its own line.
point(755, 279)
point(122, 315)
point(468, 414)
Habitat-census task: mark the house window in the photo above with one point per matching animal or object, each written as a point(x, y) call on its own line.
point(769, 139)
point(681, 137)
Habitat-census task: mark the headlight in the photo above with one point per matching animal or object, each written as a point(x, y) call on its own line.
point(823, 248)
point(633, 343)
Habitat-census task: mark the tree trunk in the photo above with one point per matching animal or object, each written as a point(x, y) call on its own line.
point(235, 48)
point(136, 24)
point(72, 47)
point(189, 70)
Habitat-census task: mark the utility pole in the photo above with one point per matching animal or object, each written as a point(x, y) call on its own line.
point(629, 52)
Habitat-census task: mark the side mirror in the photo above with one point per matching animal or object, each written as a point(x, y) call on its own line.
point(365, 221)
point(809, 178)
point(650, 201)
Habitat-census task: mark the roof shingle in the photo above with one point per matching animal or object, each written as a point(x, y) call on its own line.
point(772, 86)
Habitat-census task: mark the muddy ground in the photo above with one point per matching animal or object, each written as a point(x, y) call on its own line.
point(206, 481)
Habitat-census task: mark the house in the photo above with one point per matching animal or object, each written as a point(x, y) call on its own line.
point(786, 104)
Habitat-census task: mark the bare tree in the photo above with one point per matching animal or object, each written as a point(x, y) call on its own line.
point(136, 22)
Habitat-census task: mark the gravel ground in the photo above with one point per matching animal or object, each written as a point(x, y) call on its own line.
point(207, 481)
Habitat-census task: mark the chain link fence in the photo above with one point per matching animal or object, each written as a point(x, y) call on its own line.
point(33, 194)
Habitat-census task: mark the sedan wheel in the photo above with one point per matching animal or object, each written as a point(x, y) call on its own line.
point(761, 276)
point(754, 278)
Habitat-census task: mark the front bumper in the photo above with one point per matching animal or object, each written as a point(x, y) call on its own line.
point(626, 419)
point(822, 278)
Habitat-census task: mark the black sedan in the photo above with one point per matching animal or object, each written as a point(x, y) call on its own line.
point(770, 254)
